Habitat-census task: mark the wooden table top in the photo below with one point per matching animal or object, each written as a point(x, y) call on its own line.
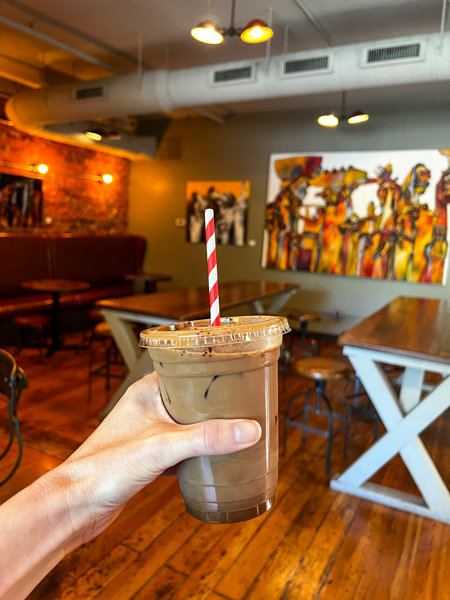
point(56, 285)
point(412, 327)
point(156, 277)
point(193, 303)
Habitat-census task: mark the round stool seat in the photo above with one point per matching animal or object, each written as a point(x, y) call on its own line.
point(95, 315)
point(304, 316)
point(33, 321)
point(102, 330)
point(320, 368)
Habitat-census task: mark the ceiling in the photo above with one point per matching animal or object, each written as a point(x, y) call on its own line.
point(46, 42)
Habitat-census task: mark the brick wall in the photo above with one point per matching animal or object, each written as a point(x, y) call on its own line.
point(71, 203)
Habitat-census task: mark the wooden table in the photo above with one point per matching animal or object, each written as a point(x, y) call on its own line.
point(144, 283)
point(181, 305)
point(412, 333)
point(56, 287)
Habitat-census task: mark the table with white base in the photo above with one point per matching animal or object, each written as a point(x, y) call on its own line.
point(413, 334)
point(181, 305)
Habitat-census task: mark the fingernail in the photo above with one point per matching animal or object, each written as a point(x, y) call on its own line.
point(245, 432)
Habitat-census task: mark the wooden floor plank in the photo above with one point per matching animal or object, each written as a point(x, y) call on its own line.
point(314, 544)
point(240, 577)
point(140, 571)
point(97, 577)
point(161, 585)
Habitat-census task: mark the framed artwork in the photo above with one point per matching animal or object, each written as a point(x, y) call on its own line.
point(228, 199)
point(21, 202)
point(380, 215)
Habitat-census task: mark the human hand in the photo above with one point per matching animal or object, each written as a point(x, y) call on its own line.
point(136, 443)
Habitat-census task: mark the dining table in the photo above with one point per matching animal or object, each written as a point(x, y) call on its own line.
point(162, 308)
point(56, 287)
point(411, 334)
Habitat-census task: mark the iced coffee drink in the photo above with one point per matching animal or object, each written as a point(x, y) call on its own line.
point(228, 371)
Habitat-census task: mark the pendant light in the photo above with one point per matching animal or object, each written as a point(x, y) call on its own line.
point(332, 121)
point(255, 32)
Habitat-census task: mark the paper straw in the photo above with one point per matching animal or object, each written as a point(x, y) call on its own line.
point(212, 267)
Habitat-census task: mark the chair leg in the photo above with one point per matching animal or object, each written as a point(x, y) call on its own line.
point(330, 435)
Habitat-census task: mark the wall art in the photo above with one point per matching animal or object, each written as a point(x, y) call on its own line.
point(228, 199)
point(380, 215)
point(21, 202)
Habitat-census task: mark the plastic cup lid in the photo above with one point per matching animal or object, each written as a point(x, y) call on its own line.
point(232, 330)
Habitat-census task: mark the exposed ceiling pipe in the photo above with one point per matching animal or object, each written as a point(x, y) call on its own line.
point(49, 40)
point(162, 91)
point(442, 32)
point(315, 22)
point(42, 17)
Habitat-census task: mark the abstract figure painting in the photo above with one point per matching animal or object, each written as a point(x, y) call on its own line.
point(380, 215)
point(228, 199)
point(20, 202)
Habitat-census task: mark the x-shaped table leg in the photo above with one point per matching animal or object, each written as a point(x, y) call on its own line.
point(405, 416)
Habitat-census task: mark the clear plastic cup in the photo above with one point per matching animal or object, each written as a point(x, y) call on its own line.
point(227, 371)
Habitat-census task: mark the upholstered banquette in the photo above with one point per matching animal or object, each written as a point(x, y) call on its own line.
point(103, 261)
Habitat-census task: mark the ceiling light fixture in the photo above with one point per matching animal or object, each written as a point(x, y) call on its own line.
point(255, 32)
point(97, 134)
point(94, 135)
point(331, 120)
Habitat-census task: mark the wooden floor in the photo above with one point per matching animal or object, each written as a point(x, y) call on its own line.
point(315, 543)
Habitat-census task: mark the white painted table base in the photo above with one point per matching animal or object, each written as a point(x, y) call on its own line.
point(405, 416)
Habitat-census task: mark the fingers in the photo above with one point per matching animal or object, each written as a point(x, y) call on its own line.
point(215, 437)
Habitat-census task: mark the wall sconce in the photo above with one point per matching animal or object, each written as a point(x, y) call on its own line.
point(42, 168)
point(332, 121)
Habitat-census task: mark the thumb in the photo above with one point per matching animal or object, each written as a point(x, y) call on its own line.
point(215, 437)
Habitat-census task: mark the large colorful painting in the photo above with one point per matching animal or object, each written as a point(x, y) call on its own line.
point(20, 202)
point(228, 199)
point(379, 215)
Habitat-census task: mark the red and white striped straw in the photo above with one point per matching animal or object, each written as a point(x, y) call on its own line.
point(212, 267)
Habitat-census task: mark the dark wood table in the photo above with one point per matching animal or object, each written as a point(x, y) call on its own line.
point(56, 287)
point(181, 305)
point(413, 334)
point(144, 283)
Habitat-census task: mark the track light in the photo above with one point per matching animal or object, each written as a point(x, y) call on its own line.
point(254, 33)
point(328, 120)
point(358, 117)
point(331, 120)
point(207, 33)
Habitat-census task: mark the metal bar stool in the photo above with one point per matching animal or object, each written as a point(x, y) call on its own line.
point(306, 346)
point(358, 402)
point(102, 332)
point(31, 332)
point(320, 370)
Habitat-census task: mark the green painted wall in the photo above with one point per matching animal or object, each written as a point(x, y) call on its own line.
point(240, 149)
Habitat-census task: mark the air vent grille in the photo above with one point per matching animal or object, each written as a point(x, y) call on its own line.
point(233, 75)
point(390, 53)
point(89, 93)
point(305, 65)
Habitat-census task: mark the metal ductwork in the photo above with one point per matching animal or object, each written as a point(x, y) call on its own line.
point(411, 60)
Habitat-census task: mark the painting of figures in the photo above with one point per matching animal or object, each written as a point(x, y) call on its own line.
point(228, 199)
point(20, 202)
point(380, 215)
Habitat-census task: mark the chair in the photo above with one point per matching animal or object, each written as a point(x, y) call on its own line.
point(28, 327)
point(102, 332)
point(321, 370)
point(12, 382)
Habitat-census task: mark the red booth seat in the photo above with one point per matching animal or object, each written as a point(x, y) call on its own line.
point(101, 260)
